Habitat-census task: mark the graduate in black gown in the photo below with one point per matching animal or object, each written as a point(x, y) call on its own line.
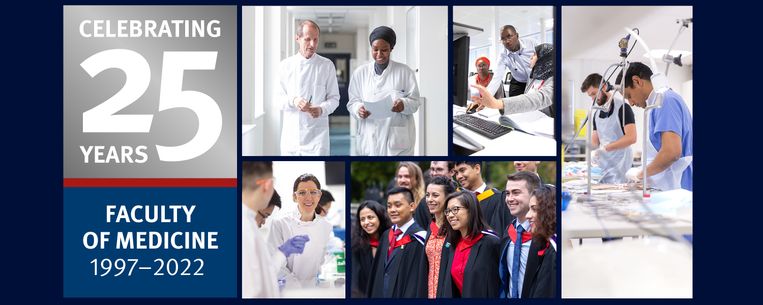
point(399, 267)
point(469, 265)
point(436, 169)
point(542, 218)
point(494, 210)
point(535, 276)
point(371, 221)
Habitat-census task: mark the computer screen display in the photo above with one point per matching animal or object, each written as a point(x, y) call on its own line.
point(460, 75)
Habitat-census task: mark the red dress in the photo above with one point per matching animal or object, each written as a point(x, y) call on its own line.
point(434, 252)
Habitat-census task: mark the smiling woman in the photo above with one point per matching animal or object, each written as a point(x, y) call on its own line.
point(467, 234)
point(372, 220)
point(303, 268)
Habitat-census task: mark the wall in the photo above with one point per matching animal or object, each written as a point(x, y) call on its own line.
point(345, 43)
point(433, 76)
point(275, 52)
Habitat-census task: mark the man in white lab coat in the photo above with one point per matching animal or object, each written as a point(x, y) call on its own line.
point(380, 81)
point(308, 93)
point(260, 264)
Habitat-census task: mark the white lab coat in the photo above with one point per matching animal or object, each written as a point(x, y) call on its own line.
point(259, 265)
point(304, 267)
point(393, 136)
point(313, 79)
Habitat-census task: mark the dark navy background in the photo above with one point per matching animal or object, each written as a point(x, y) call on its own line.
point(85, 211)
point(727, 163)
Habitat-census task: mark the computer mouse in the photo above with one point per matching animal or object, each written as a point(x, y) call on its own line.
point(506, 121)
point(471, 110)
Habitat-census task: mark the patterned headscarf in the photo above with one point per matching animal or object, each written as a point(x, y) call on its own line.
point(544, 66)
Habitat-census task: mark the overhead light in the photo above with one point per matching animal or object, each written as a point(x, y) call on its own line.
point(659, 53)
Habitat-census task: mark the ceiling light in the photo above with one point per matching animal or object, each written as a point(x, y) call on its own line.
point(659, 53)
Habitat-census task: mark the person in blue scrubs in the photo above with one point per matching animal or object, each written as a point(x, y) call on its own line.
point(669, 151)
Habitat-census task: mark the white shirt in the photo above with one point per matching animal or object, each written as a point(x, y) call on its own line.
point(393, 136)
point(403, 228)
point(259, 265)
point(481, 189)
point(524, 252)
point(518, 63)
point(306, 266)
point(313, 79)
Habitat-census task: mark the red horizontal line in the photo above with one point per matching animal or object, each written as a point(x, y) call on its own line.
point(150, 182)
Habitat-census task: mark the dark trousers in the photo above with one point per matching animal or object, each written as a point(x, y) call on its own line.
point(516, 88)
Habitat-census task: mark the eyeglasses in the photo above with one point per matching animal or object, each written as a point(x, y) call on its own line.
point(453, 210)
point(303, 193)
point(507, 38)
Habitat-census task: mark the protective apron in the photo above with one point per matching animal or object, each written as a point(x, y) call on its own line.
point(670, 178)
point(615, 163)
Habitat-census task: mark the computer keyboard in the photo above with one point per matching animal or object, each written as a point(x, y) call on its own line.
point(486, 128)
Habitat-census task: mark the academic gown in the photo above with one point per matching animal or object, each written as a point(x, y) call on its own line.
point(421, 216)
point(540, 272)
point(405, 272)
point(362, 261)
point(480, 275)
point(495, 211)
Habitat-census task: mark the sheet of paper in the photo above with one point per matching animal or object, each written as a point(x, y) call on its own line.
point(535, 122)
point(380, 109)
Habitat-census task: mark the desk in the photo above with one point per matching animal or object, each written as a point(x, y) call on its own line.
point(314, 293)
point(515, 143)
point(675, 207)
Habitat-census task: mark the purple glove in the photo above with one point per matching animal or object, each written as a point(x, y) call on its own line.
point(294, 245)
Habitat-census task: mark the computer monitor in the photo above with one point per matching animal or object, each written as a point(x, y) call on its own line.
point(460, 75)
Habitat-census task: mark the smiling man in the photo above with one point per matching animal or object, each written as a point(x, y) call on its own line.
point(469, 175)
point(399, 268)
point(308, 93)
point(516, 255)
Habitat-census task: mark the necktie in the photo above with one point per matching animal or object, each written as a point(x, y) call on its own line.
point(393, 241)
point(515, 263)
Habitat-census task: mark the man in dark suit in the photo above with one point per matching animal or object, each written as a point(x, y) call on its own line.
point(522, 261)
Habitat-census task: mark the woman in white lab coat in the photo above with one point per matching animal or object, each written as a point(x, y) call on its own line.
point(304, 267)
point(308, 93)
point(384, 79)
point(539, 93)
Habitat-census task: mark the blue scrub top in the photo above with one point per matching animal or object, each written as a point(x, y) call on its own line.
point(674, 116)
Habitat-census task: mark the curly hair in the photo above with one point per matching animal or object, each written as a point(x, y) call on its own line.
point(545, 225)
